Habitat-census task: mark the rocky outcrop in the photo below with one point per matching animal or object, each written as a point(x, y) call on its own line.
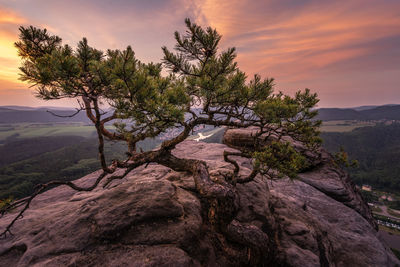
point(154, 217)
point(321, 172)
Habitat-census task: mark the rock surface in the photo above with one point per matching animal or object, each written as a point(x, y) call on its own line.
point(154, 217)
point(325, 176)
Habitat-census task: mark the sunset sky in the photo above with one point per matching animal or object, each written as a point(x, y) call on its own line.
point(348, 51)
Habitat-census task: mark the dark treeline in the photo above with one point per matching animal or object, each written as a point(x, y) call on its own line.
point(17, 150)
point(8, 115)
point(377, 150)
point(388, 112)
point(27, 162)
point(76, 158)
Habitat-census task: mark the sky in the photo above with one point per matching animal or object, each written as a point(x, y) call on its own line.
point(347, 51)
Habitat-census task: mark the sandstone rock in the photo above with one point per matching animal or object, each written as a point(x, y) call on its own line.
point(325, 175)
point(154, 217)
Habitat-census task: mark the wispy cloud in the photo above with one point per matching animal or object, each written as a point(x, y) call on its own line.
point(321, 32)
point(330, 46)
point(9, 22)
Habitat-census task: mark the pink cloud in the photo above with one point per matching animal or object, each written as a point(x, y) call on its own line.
point(324, 45)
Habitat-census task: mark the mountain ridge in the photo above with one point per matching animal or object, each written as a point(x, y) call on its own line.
point(25, 114)
point(386, 112)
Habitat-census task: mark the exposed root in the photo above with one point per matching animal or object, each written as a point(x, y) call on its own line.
point(236, 178)
point(221, 197)
point(233, 162)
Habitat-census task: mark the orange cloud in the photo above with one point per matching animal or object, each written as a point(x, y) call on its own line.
point(300, 40)
point(324, 45)
point(9, 22)
point(8, 16)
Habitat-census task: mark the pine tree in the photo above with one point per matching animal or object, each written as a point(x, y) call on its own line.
point(204, 87)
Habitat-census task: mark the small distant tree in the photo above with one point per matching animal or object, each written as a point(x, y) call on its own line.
point(204, 87)
point(341, 159)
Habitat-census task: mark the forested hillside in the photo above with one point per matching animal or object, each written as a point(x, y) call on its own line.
point(34, 153)
point(76, 158)
point(17, 150)
point(377, 150)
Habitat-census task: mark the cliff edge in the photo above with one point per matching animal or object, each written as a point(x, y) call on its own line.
point(154, 217)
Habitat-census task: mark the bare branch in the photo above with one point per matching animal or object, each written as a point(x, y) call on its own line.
point(65, 116)
point(41, 189)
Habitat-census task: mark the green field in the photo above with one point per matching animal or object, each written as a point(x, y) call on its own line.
point(30, 130)
point(343, 126)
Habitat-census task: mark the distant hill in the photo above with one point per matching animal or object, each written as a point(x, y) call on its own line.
point(388, 112)
point(14, 107)
point(17, 108)
point(19, 114)
point(332, 114)
point(363, 107)
point(371, 107)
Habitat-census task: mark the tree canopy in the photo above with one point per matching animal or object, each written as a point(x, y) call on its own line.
point(204, 86)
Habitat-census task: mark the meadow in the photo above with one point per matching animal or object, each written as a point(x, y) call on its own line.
point(344, 125)
point(30, 130)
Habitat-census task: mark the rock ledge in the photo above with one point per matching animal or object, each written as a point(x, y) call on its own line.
point(153, 217)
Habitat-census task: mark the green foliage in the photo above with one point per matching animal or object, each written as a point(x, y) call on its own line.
point(341, 158)
point(18, 150)
point(280, 157)
point(136, 91)
point(82, 166)
point(377, 151)
point(66, 163)
point(214, 79)
point(370, 197)
point(204, 87)
point(6, 202)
